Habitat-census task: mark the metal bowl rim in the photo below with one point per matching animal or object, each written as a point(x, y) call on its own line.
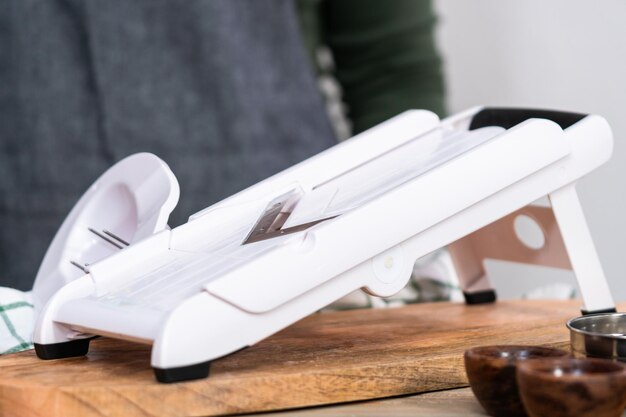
point(588, 333)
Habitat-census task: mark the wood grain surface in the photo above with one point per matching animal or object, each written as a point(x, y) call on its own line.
point(323, 359)
point(448, 403)
point(458, 402)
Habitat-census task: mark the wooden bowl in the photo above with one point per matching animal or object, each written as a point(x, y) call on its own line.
point(572, 387)
point(491, 374)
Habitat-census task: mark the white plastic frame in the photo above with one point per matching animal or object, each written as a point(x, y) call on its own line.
point(372, 247)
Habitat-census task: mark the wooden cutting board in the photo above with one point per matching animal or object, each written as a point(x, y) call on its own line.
point(325, 358)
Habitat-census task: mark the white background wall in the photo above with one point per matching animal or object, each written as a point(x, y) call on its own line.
point(560, 54)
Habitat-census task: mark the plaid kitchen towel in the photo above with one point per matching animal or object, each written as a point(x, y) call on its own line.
point(17, 319)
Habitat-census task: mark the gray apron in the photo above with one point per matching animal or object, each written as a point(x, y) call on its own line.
point(221, 90)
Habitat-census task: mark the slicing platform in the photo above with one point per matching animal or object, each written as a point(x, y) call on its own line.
point(325, 358)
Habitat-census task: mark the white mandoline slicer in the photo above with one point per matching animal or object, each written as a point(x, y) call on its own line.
point(357, 215)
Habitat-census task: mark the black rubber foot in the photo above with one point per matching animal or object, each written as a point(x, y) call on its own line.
point(184, 373)
point(78, 347)
point(606, 310)
point(480, 297)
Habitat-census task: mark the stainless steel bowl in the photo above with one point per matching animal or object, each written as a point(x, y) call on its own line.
point(599, 335)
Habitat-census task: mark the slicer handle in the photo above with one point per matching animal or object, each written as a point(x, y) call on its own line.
point(508, 117)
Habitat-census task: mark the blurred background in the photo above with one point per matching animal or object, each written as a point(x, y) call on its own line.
point(210, 86)
point(560, 54)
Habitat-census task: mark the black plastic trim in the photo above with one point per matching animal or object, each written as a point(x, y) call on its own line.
point(183, 373)
point(480, 297)
point(509, 117)
point(606, 310)
point(61, 350)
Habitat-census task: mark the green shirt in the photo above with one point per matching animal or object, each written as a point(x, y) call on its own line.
point(384, 52)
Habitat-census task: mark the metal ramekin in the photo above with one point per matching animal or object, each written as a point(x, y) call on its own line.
point(599, 335)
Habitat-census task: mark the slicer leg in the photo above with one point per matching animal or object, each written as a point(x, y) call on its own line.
point(183, 373)
point(567, 245)
point(78, 347)
point(581, 251)
point(471, 273)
